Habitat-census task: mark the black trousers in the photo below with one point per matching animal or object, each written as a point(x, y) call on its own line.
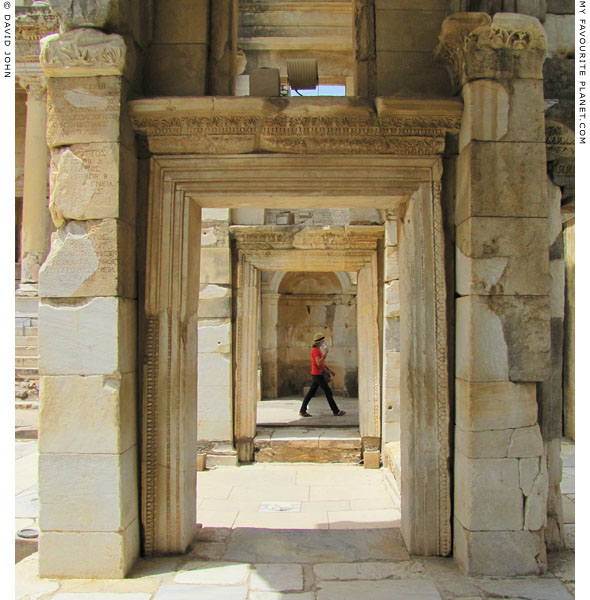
point(316, 382)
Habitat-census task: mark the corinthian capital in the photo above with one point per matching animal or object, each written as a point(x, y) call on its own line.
point(35, 84)
point(83, 53)
point(475, 46)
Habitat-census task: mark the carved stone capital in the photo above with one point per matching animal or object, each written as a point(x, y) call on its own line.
point(475, 46)
point(35, 84)
point(84, 53)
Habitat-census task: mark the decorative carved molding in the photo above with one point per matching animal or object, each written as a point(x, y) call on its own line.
point(442, 373)
point(465, 35)
point(387, 126)
point(560, 140)
point(32, 27)
point(334, 238)
point(83, 52)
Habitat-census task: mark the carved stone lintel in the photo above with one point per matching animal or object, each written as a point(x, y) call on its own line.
point(84, 53)
point(475, 46)
point(383, 126)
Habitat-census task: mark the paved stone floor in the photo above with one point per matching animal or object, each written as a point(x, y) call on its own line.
point(285, 412)
point(298, 531)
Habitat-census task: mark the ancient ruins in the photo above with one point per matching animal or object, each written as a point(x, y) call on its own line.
point(193, 235)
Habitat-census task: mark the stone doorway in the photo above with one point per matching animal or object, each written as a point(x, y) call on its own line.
point(180, 186)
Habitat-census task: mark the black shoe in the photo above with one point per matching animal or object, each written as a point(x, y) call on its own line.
point(305, 414)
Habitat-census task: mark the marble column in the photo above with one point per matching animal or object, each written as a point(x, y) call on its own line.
point(502, 287)
point(36, 222)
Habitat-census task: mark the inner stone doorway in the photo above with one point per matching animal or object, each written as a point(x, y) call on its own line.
point(179, 187)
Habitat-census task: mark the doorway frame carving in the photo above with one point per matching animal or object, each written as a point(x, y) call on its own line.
point(180, 185)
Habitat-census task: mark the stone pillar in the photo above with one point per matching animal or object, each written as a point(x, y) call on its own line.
point(365, 51)
point(502, 280)
point(223, 47)
point(369, 379)
point(36, 221)
point(246, 357)
point(88, 461)
point(270, 317)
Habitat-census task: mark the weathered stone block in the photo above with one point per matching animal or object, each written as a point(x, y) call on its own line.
point(214, 335)
point(247, 216)
point(487, 494)
point(181, 21)
point(482, 406)
point(410, 72)
point(89, 259)
point(391, 369)
point(501, 179)
point(215, 214)
point(502, 256)
point(391, 232)
point(93, 181)
point(215, 402)
point(214, 431)
point(372, 459)
point(407, 30)
point(528, 471)
point(391, 404)
point(502, 338)
point(176, 69)
point(526, 118)
point(70, 403)
point(392, 335)
point(561, 39)
point(391, 263)
point(87, 109)
point(526, 443)
point(88, 492)
point(483, 444)
point(485, 112)
point(216, 265)
point(214, 234)
point(101, 555)
point(392, 299)
point(535, 507)
point(214, 369)
point(499, 553)
point(87, 337)
point(561, 7)
point(214, 301)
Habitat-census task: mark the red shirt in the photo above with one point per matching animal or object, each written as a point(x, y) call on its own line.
point(315, 370)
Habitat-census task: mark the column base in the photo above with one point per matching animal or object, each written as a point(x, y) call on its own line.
point(27, 289)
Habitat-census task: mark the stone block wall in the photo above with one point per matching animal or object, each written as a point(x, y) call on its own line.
point(391, 337)
point(214, 403)
point(406, 33)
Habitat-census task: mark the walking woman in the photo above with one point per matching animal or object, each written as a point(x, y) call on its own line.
point(318, 368)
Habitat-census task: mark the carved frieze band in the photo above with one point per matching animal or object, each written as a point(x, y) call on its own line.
point(442, 373)
point(83, 52)
point(465, 33)
point(33, 27)
point(370, 134)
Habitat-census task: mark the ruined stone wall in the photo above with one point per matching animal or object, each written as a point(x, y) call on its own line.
point(214, 406)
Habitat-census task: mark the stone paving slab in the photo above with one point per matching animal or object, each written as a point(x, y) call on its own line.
point(23, 448)
point(100, 596)
point(201, 592)
point(281, 596)
point(527, 588)
point(27, 504)
point(369, 570)
point(276, 578)
point(315, 546)
point(213, 573)
point(393, 589)
point(285, 412)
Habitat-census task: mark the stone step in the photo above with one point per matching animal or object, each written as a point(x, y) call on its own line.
point(28, 362)
point(315, 445)
point(26, 331)
point(26, 373)
point(26, 350)
point(26, 340)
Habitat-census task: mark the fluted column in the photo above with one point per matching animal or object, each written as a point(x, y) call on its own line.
point(35, 219)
